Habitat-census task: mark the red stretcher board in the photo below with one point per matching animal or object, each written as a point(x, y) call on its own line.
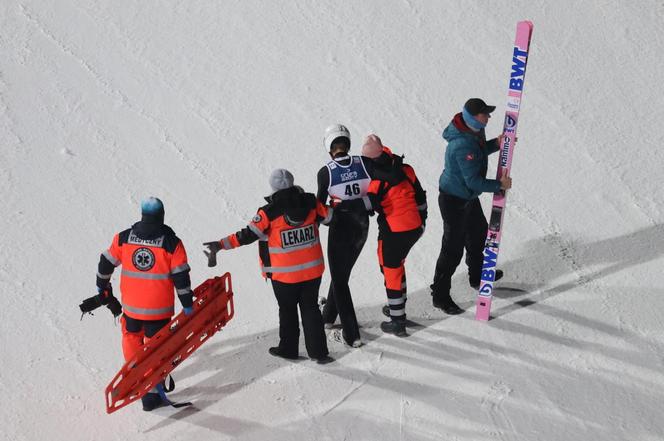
point(213, 308)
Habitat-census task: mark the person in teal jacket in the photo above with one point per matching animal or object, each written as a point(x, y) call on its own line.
point(460, 185)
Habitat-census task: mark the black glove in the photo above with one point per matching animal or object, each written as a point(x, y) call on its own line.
point(90, 304)
point(212, 249)
point(105, 297)
point(114, 306)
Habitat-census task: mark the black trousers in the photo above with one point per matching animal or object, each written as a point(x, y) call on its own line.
point(304, 294)
point(149, 327)
point(346, 239)
point(393, 248)
point(464, 226)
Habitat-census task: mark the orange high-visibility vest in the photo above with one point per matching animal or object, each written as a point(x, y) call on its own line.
point(288, 252)
point(147, 290)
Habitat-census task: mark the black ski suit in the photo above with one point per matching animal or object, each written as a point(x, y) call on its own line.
point(347, 236)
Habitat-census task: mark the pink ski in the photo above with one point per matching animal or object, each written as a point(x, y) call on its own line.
point(524, 31)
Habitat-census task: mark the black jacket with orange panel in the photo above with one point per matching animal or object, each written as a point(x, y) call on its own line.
point(154, 262)
point(287, 228)
point(396, 194)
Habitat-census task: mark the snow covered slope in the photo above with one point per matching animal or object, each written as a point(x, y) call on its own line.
point(105, 102)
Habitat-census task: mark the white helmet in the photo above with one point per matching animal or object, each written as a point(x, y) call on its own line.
point(333, 132)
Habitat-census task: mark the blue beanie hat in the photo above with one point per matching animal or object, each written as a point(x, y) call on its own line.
point(152, 210)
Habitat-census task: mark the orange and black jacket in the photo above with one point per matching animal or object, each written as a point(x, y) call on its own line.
point(396, 194)
point(287, 228)
point(154, 262)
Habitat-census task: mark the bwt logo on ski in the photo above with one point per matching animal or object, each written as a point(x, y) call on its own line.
point(488, 271)
point(348, 176)
point(518, 69)
point(298, 236)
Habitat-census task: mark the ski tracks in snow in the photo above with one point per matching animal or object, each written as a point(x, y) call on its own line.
point(492, 404)
point(374, 363)
point(552, 233)
point(196, 166)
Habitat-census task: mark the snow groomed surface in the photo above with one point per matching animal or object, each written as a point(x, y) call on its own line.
point(103, 103)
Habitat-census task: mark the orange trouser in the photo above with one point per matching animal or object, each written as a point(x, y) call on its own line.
point(392, 251)
point(135, 333)
point(131, 341)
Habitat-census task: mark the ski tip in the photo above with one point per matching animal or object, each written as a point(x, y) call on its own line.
point(525, 23)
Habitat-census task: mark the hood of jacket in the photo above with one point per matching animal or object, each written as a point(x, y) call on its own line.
point(388, 167)
point(149, 230)
point(293, 202)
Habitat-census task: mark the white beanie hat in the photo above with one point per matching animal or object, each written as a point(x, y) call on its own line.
point(280, 179)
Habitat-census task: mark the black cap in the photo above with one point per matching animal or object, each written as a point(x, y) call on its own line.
point(475, 106)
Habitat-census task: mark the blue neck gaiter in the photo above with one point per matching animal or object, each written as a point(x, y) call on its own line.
point(471, 122)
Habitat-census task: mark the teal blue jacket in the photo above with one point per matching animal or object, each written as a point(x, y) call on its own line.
point(466, 161)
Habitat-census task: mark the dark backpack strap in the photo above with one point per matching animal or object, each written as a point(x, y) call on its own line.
point(382, 190)
point(169, 384)
point(162, 394)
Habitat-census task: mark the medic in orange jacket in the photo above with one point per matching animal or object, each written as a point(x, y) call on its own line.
point(151, 268)
point(291, 255)
point(289, 248)
point(154, 262)
point(396, 194)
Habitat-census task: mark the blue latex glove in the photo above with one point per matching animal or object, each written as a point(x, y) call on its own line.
point(188, 310)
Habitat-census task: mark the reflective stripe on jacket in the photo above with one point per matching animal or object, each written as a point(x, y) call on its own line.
point(289, 249)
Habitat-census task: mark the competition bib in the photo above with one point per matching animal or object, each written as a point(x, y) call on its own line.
point(348, 182)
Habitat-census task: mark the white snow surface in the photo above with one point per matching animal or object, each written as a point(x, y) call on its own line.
point(105, 102)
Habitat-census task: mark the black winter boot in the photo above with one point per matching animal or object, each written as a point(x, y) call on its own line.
point(277, 352)
point(325, 359)
point(152, 401)
point(445, 302)
point(395, 326)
